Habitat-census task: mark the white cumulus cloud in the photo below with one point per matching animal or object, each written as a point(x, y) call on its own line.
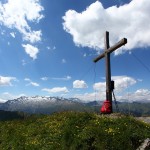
point(12, 34)
point(88, 27)
point(27, 79)
point(33, 36)
point(9, 96)
point(34, 84)
point(100, 86)
point(56, 90)
point(99, 93)
point(121, 83)
point(17, 14)
point(95, 96)
point(30, 82)
point(44, 78)
point(32, 51)
point(6, 81)
point(142, 95)
point(64, 78)
point(79, 84)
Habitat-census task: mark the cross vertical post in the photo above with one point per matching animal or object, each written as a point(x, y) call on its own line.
point(106, 54)
point(108, 70)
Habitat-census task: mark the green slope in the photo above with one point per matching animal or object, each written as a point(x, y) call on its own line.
point(8, 115)
point(73, 131)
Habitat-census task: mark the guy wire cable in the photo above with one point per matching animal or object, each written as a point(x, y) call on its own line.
point(141, 62)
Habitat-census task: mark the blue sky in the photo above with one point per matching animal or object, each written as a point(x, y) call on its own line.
point(47, 48)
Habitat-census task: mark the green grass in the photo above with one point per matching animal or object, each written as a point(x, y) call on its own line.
point(73, 131)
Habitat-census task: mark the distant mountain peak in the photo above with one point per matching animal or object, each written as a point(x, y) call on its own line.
point(41, 104)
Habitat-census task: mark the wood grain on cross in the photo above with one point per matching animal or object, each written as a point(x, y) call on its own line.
point(106, 54)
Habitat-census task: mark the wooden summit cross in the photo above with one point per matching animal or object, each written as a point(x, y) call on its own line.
point(106, 54)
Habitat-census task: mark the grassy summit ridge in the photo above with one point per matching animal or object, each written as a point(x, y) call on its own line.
point(73, 131)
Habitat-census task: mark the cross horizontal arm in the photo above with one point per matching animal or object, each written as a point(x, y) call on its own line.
point(111, 49)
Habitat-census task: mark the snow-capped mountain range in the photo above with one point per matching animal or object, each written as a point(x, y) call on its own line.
point(48, 105)
point(41, 104)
